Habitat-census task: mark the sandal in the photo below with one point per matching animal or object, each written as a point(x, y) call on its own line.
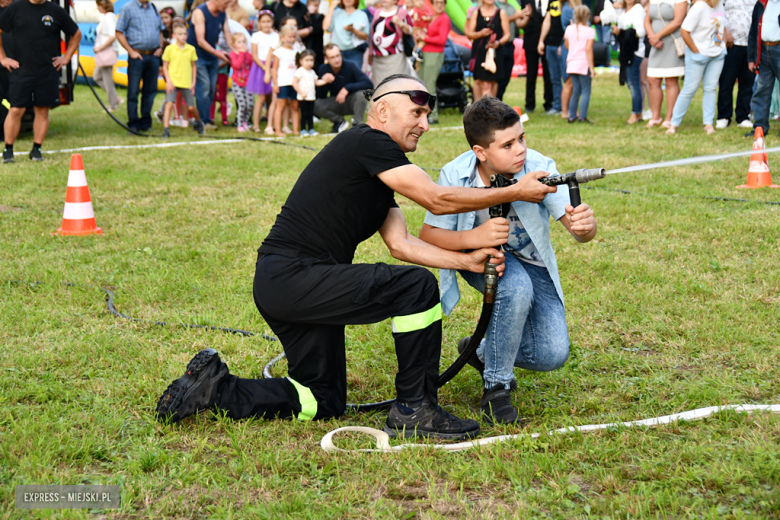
point(672, 129)
point(654, 122)
point(709, 129)
point(666, 124)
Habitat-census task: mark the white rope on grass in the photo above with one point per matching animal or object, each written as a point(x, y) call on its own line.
point(182, 143)
point(383, 439)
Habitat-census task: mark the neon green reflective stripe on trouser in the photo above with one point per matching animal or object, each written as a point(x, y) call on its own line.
point(417, 321)
point(308, 402)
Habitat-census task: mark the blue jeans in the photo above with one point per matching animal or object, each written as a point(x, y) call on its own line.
point(554, 64)
point(768, 72)
point(704, 70)
point(145, 69)
point(528, 327)
point(354, 56)
point(580, 86)
point(206, 87)
point(562, 63)
point(633, 77)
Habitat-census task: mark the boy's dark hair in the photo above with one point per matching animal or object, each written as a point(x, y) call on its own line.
point(306, 52)
point(484, 118)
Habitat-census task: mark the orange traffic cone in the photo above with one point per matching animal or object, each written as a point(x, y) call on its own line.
point(523, 117)
point(78, 217)
point(759, 175)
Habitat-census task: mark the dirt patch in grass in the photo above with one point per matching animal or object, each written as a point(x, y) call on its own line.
point(6, 209)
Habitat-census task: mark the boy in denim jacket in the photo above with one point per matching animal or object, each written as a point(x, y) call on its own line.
point(528, 327)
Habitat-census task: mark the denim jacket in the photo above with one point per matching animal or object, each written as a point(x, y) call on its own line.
point(535, 217)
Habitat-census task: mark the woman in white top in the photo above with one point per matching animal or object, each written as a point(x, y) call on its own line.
point(634, 18)
point(106, 48)
point(662, 23)
point(704, 32)
point(348, 28)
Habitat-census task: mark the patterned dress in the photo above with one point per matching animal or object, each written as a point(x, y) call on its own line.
point(664, 62)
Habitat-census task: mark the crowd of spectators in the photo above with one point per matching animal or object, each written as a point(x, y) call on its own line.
point(715, 44)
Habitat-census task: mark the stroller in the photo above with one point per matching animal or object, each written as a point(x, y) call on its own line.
point(453, 89)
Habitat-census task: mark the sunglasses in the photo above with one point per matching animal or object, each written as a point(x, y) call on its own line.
point(418, 97)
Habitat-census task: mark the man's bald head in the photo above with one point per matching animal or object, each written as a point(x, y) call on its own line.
point(396, 114)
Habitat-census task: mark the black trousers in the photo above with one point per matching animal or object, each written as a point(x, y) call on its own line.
point(735, 68)
point(509, 63)
point(307, 303)
point(532, 60)
point(307, 115)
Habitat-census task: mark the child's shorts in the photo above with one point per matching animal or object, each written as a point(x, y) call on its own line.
point(287, 93)
point(186, 94)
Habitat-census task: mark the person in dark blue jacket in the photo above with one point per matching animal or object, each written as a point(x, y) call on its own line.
point(343, 94)
point(763, 56)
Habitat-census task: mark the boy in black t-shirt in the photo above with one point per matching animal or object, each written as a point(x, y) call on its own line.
point(550, 40)
point(34, 78)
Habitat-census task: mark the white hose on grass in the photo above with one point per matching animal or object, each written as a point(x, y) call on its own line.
point(383, 440)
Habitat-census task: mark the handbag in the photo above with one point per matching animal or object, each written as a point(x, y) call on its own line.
point(679, 43)
point(408, 39)
point(474, 52)
point(106, 58)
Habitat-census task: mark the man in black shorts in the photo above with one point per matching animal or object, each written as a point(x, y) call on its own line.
point(307, 288)
point(35, 76)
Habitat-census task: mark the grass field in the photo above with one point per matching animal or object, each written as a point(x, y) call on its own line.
point(674, 306)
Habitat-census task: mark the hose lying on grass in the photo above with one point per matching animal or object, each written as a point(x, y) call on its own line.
point(383, 440)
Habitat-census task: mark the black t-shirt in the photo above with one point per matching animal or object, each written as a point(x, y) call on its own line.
point(532, 31)
point(555, 36)
point(338, 201)
point(298, 11)
point(36, 30)
point(8, 41)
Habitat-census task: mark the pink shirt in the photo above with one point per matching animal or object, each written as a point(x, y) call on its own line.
point(578, 36)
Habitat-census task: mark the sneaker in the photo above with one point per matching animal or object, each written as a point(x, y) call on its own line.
point(313, 133)
point(166, 133)
point(572, 119)
point(229, 109)
point(196, 390)
point(647, 115)
point(207, 126)
point(747, 123)
point(199, 127)
point(723, 123)
point(497, 407)
point(553, 112)
point(343, 126)
point(304, 133)
point(158, 116)
point(8, 156)
point(175, 122)
point(479, 365)
point(417, 56)
point(585, 120)
point(242, 128)
point(35, 155)
point(429, 420)
point(749, 134)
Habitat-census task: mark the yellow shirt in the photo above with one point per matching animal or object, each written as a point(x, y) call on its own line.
point(180, 64)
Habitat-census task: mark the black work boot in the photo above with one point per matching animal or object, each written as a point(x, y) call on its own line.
point(479, 365)
point(496, 406)
point(427, 420)
point(194, 391)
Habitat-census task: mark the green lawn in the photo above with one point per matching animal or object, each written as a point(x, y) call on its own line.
point(674, 306)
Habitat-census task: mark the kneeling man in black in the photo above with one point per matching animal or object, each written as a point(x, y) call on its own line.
point(307, 288)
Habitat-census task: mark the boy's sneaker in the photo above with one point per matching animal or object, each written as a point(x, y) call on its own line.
point(159, 115)
point(313, 133)
point(747, 123)
point(196, 390)
point(497, 407)
point(166, 133)
point(304, 133)
point(585, 120)
point(343, 126)
point(479, 365)
point(572, 119)
point(721, 124)
point(8, 156)
point(417, 55)
point(35, 155)
point(199, 127)
point(553, 112)
point(429, 420)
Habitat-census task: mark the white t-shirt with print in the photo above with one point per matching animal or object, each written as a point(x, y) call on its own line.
point(520, 243)
point(706, 25)
point(306, 79)
point(286, 66)
point(265, 42)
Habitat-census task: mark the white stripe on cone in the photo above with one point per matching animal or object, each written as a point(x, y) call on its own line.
point(758, 167)
point(78, 211)
point(77, 178)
